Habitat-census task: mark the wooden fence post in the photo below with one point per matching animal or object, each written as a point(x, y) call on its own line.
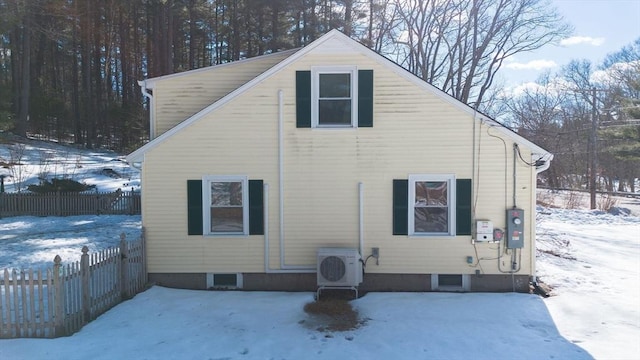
point(124, 267)
point(58, 283)
point(86, 290)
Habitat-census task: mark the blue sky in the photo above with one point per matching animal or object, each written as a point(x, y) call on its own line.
point(600, 27)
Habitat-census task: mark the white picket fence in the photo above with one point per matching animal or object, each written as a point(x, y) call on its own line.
point(60, 300)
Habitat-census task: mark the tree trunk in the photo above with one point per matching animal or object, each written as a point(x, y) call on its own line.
point(25, 78)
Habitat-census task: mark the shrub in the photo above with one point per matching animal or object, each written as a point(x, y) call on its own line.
point(62, 185)
point(606, 202)
point(573, 200)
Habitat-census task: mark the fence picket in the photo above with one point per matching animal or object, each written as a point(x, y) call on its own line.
point(40, 328)
point(5, 310)
point(50, 302)
point(16, 310)
point(2, 331)
point(32, 304)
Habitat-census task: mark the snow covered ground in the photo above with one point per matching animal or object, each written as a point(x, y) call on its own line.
point(32, 242)
point(181, 324)
point(591, 260)
point(25, 162)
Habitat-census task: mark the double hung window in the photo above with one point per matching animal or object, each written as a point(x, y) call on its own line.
point(431, 204)
point(227, 205)
point(334, 97)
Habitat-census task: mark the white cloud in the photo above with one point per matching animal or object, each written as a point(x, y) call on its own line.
point(577, 40)
point(532, 65)
point(617, 71)
point(522, 88)
point(553, 86)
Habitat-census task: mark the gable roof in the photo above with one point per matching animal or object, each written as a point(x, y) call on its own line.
point(333, 39)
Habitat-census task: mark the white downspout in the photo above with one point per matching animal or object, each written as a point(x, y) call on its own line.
point(281, 172)
point(547, 163)
point(265, 202)
point(284, 268)
point(152, 108)
point(474, 179)
point(361, 217)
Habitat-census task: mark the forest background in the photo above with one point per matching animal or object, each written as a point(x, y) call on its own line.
point(69, 68)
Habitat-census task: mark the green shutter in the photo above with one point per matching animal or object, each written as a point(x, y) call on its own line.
point(303, 99)
point(194, 207)
point(463, 206)
point(400, 207)
point(365, 98)
point(256, 208)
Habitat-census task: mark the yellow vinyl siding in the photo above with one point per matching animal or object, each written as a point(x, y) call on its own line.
point(414, 132)
point(216, 145)
point(176, 98)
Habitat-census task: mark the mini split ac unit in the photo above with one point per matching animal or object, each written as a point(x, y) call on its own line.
point(339, 267)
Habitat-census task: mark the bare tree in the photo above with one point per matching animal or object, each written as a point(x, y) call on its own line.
point(539, 114)
point(587, 118)
point(19, 173)
point(459, 45)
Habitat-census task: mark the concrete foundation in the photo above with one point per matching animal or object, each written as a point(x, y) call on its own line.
point(371, 283)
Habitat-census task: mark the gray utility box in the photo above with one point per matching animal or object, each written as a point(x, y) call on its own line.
point(515, 228)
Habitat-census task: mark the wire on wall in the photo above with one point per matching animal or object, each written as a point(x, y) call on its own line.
point(476, 181)
point(536, 163)
point(506, 167)
point(514, 264)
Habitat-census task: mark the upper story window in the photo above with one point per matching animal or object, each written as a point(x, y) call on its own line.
point(334, 97)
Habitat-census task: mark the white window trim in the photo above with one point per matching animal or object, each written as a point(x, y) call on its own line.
point(435, 284)
point(451, 202)
point(206, 203)
point(211, 283)
point(315, 94)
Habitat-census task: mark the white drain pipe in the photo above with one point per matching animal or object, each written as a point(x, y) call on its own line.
point(284, 268)
point(361, 217)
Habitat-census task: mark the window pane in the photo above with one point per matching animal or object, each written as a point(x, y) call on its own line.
point(430, 193)
point(226, 219)
point(449, 280)
point(226, 193)
point(334, 112)
point(431, 220)
point(335, 85)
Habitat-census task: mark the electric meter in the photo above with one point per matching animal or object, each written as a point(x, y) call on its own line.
point(515, 228)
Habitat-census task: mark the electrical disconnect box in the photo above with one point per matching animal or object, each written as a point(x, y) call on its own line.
point(515, 228)
point(484, 230)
